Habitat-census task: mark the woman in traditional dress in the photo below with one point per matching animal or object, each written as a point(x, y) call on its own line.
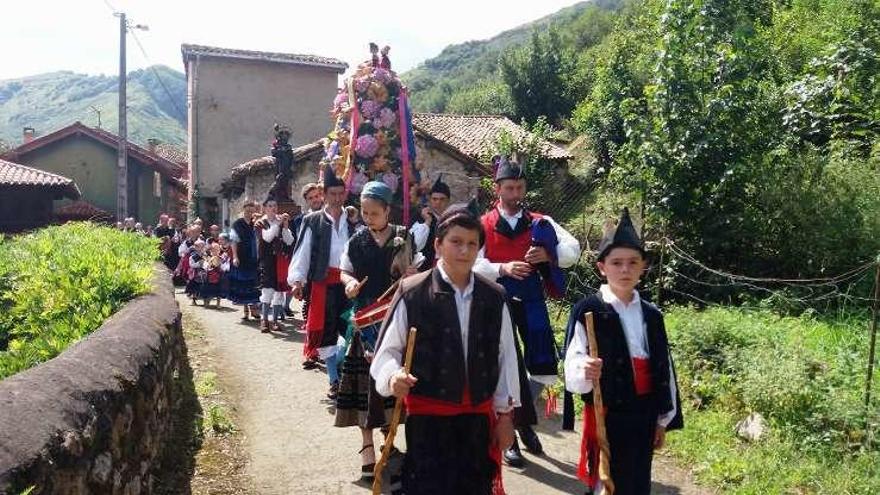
point(243, 274)
point(374, 259)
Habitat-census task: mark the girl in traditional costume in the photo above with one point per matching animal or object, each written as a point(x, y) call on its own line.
point(374, 259)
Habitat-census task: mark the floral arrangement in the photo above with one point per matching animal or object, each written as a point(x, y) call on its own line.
point(372, 137)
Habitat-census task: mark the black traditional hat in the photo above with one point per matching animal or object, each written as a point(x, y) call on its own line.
point(623, 235)
point(474, 208)
point(441, 187)
point(330, 179)
point(506, 169)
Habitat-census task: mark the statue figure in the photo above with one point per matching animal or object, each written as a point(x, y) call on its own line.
point(282, 151)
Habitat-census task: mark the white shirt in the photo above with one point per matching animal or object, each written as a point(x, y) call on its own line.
point(389, 356)
point(302, 258)
point(567, 251)
point(634, 328)
point(273, 231)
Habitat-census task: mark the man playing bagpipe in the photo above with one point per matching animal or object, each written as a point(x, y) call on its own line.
point(524, 251)
point(634, 369)
point(464, 380)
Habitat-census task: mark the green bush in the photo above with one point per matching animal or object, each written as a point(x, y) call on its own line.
point(60, 283)
point(803, 374)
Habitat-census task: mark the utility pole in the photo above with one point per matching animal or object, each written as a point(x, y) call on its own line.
point(122, 152)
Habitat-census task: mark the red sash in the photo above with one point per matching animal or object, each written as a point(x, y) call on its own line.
point(315, 319)
point(423, 406)
point(588, 465)
point(642, 376)
point(282, 262)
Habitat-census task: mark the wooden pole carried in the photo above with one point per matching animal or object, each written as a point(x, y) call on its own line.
point(395, 417)
point(599, 411)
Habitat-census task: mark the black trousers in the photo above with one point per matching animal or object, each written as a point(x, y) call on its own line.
point(631, 438)
point(448, 455)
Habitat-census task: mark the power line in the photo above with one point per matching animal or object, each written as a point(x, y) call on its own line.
point(158, 77)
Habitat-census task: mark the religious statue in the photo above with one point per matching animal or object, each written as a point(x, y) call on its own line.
point(282, 152)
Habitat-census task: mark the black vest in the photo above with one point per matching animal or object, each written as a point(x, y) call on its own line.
point(618, 385)
point(438, 355)
point(322, 235)
point(374, 261)
point(428, 250)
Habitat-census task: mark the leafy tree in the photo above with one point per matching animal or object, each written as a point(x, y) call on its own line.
point(536, 77)
point(488, 97)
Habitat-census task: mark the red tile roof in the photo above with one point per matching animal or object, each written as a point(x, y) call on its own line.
point(190, 51)
point(81, 210)
point(300, 154)
point(471, 135)
point(172, 153)
point(16, 175)
point(135, 152)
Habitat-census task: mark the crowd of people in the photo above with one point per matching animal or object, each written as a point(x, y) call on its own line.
point(474, 285)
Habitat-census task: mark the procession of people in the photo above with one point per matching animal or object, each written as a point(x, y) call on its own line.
point(440, 322)
point(474, 285)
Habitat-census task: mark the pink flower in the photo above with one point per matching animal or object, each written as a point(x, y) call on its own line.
point(366, 146)
point(383, 75)
point(390, 180)
point(357, 182)
point(369, 109)
point(387, 118)
point(341, 99)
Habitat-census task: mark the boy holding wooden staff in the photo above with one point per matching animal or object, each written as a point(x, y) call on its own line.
point(634, 370)
point(464, 381)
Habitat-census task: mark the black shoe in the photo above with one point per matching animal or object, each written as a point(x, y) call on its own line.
point(310, 364)
point(530, 440)
point(289, 313)
point(513, 456)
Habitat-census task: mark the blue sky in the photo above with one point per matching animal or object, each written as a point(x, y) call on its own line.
point(82, 35)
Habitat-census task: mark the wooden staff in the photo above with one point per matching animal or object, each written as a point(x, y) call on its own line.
point(395, 417)
point(599, 410)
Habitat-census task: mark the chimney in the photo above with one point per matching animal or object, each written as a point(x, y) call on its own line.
point(28, 134)
point(152, 143)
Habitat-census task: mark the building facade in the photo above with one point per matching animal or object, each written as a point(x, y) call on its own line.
point(234, 98)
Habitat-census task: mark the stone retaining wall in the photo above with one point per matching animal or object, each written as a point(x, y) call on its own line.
point(94, 419)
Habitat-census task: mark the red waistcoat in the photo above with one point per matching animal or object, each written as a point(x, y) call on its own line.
point(501, 248)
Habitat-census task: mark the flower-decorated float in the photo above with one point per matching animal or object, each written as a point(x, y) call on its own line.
point(372, 137)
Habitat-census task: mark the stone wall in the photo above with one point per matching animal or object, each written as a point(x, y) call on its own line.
point(94, 419)
point(464, 181)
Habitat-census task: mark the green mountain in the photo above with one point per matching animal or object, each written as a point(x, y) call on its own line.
point(48, 102)
point(474, 64)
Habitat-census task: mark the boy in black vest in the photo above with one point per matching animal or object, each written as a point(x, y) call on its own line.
point(634, 369)
point(464, 381)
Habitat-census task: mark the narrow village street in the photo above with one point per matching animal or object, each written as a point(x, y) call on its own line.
point(287, 423)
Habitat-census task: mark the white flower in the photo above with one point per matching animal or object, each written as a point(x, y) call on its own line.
point(398, 241)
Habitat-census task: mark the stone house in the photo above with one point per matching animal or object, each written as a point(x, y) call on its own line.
point(88, 156)
point(454, 145)
point(234, 98)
